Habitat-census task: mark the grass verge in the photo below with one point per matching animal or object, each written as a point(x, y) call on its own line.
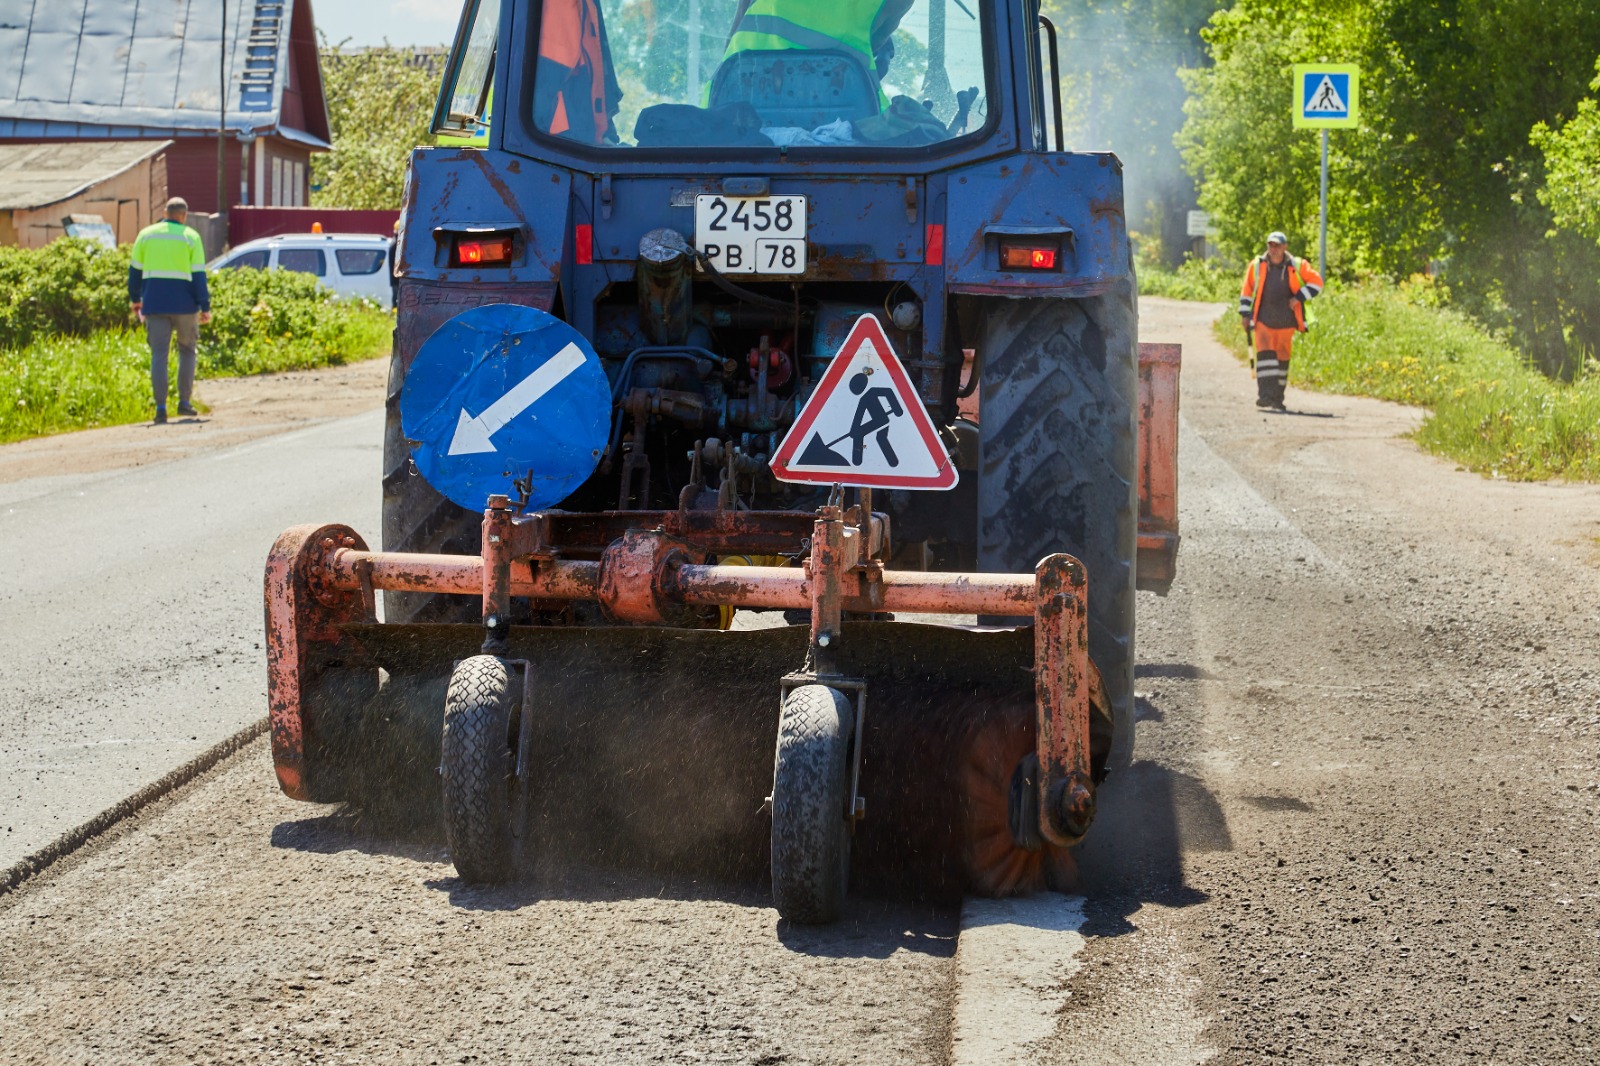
point(1488, 410)
point(265, 322)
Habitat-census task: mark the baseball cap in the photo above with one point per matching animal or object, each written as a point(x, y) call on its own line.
point(177, 203)
point(1277, 237)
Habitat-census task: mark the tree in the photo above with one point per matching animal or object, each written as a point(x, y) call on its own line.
point(1256, 172)
point(1121, 90)
point(380, 106)
point(1572, 165)
point(1467, 80)
point(1442, 168)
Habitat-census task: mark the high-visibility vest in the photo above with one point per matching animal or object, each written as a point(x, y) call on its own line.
point(774, 25)
point(1302, 276)
point(575, 90)
point(169, 250)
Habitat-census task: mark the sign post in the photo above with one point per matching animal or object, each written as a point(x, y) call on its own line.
point(1325, 98)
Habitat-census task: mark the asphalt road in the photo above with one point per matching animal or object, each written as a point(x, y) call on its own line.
point(1362, 827)
point(130, 610)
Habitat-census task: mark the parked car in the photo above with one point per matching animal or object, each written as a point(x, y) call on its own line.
point(351, 264)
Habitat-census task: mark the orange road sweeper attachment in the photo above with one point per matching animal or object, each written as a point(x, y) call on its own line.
point(980, 748)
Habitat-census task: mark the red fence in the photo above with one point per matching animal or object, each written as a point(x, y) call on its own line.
point(248, 223)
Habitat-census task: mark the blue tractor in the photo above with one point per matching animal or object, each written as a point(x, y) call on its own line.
point(653, 236)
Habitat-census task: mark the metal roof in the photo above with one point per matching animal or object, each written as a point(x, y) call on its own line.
point(38, 175)
point(129, 66)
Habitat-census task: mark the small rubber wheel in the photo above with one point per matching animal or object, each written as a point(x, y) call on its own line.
point(810, 835)
point(478, 766)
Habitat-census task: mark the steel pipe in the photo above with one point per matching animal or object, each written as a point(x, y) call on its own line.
point(772, 588)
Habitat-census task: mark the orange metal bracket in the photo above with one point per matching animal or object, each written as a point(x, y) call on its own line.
point(1158, 465)
point(305, 606)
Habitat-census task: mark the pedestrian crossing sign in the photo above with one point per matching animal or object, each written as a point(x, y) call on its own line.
point(865, 424)
point(1325, 95)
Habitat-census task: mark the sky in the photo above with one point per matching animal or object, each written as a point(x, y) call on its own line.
point(403, 22)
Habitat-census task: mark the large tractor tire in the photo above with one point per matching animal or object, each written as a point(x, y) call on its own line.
point(478, 762)
point(1059, 465)
point(416, 518)
point(811, 775)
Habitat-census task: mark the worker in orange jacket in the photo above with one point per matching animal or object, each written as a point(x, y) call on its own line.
point(1272, 308)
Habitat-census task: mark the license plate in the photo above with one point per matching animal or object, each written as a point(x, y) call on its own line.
point(752, 234)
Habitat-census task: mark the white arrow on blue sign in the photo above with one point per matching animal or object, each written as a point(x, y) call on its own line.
point(503, 394)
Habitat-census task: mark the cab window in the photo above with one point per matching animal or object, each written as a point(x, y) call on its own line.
point(854, 74)
point(462, 116)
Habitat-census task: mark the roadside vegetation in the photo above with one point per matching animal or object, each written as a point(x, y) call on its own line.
point(1489, 410)
point(72, 356)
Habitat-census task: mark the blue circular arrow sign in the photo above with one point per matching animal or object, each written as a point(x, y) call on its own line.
point(503, 393)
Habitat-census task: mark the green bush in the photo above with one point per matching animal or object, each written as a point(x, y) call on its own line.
point(271, 320)
point(1195, 279)
point(72, 356)
point(1488, 409)
point(70, 288)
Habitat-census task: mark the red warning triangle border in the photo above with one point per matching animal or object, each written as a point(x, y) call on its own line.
point(867, 326)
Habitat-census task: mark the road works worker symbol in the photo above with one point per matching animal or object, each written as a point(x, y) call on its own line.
point(509, 400)
point(865, 424)
point(1325, 94)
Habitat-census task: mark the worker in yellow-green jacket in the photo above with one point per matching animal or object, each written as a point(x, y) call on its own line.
point(863, 28)
point(167, 287)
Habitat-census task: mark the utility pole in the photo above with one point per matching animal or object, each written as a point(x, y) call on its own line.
point(222, 116)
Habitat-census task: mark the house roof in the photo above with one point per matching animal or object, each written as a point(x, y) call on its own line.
point(38, 175)
point(91, 68)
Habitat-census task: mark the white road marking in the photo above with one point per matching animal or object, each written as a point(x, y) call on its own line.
point(1013, 962)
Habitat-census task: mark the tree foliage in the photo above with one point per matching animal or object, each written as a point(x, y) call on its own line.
point(380, 106)
point(1122, 62)
point(1572, 164)
point(1442, 170)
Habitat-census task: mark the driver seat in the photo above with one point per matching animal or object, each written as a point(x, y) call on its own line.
point(797, 87)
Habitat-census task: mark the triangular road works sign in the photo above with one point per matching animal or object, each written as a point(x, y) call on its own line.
point(865, 424)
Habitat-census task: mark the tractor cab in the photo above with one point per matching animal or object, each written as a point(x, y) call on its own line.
point(759, 75)
point(709, 306)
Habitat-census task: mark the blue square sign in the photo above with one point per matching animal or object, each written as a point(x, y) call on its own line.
point(1325, 95)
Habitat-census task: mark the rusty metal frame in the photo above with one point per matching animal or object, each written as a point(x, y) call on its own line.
point(321, 578)
point(305, 608)
point(1159, 365)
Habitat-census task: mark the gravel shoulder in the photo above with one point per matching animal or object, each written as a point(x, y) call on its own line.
point(1363, 826)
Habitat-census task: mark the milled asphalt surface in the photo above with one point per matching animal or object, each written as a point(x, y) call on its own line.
point(1363, 827)
point(131, 614)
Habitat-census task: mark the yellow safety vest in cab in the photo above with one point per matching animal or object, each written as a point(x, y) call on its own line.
point(860, 28)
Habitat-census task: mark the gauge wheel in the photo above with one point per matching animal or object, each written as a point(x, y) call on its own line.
point(810, 781)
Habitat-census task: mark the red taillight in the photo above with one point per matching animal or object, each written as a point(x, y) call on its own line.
point(583, 238)
point(493, 250)
point(1027, 257)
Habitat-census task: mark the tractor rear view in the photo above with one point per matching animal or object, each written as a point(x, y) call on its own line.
point(726, 307)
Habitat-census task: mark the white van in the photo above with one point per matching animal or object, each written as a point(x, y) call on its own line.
point(351, 264)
